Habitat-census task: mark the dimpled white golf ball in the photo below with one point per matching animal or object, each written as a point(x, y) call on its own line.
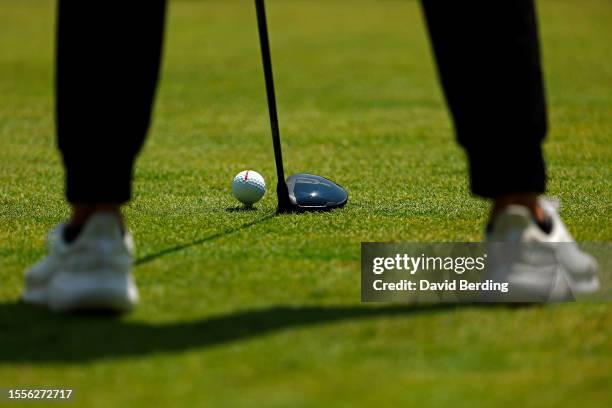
point(248, 187)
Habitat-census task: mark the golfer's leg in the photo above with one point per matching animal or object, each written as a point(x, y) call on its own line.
point(489, 64)
point(108, 57)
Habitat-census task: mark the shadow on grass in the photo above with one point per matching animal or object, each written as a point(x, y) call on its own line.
point(180, 247)
point(31, 334)
point(241, 208)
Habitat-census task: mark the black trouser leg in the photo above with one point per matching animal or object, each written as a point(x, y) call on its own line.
point(108, 56)
point(489, 64)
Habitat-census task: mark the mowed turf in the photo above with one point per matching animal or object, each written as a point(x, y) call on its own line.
point(247, 308)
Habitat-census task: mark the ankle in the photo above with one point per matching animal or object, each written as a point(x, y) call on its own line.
point(81, 214)
point(528, 200)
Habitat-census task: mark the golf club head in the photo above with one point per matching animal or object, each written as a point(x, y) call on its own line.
point(309, 192)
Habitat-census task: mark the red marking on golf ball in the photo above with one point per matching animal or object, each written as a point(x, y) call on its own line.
point(246, 175)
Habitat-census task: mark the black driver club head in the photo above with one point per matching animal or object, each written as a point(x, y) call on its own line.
point(309, 192)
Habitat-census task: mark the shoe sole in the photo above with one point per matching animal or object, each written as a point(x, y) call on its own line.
point(35, 295)
point(99, 291)
point(590, 285)
point(560, 287)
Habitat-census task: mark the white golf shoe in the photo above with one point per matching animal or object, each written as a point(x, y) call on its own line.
point(540, 266)
point(92, 272)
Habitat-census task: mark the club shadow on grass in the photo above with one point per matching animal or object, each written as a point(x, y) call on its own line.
point(211, 237)
point(30, 334)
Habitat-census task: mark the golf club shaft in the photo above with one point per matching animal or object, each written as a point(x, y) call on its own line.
point(267, 65)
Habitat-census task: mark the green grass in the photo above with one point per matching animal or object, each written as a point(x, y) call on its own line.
point(242, 308)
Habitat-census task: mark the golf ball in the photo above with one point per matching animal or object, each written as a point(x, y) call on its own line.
point(248, 187)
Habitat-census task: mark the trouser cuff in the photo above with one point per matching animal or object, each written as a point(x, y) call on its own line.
point(502, 170)
point(89, 181)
